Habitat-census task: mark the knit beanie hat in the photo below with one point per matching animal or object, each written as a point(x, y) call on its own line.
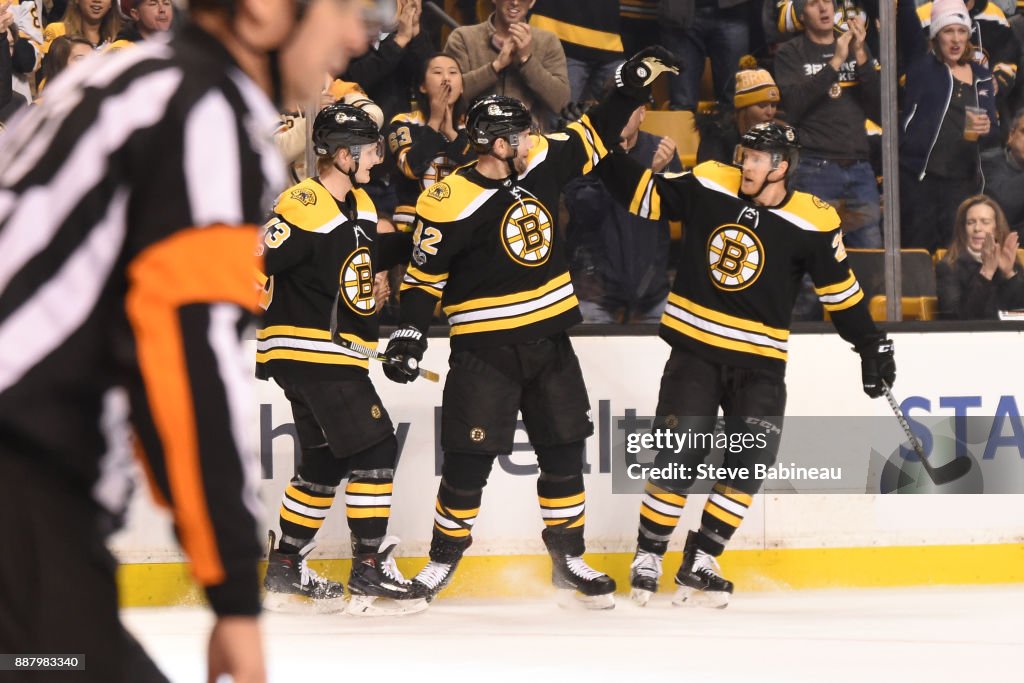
point(948, 13)
point(754, 86)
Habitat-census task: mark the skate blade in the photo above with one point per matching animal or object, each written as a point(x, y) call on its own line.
point(571, 599)
point(692, 597)
point(640, 596)
point(372, 606)
point(289, 603)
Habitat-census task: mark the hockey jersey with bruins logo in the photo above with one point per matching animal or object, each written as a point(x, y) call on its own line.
point(320, 258)
point(423, 157)
point(741, 264)
point(489, 249)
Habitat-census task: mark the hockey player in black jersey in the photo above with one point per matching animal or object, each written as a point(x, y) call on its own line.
point(486, 245)
point(748, 241)
point(322, 249)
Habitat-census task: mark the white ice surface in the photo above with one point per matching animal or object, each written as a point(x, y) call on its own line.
point(904, 635)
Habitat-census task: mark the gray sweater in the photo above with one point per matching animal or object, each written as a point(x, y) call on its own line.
point(542, 83)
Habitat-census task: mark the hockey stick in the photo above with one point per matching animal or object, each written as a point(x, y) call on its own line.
point(372, 354)
point(943, 474)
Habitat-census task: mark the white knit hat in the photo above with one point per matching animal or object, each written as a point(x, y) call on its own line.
point(948, 13)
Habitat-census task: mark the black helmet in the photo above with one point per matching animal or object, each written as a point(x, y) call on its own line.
point(777, 138)
point(342, 125)
point(495, 116)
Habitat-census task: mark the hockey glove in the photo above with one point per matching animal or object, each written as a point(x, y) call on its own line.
point(877, 364)
point(404, 353)
point(635, 76)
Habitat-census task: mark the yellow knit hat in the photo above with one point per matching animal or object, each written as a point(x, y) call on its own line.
point(754, 86)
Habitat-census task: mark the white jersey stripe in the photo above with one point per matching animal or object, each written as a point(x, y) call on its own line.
point(46, 320)
point(43, 209)
point(212, 166)
point(563, 292)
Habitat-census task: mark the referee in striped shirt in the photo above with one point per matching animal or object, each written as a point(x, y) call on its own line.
point(129, 206)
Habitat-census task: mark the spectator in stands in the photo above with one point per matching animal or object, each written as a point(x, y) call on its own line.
point(429, 142)
point(981, 273)
point(146, 19)
point(755, 101)
point(64, 51)
point(1004, 174)
point(940, 144)
point(95, 20)
point(589, 32)
point(6, 73)
point(25, 37)
point(619, 262)
point(993, 42)
point(390, 71)
point(505, 56)
point(696, 30)
point(782, 20)
point(830, 88)
point(638, 24)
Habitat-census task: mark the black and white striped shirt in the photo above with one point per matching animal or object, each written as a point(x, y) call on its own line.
point(129, 206)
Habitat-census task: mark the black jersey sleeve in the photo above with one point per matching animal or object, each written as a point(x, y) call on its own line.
point(837, 287)
point(650, 195)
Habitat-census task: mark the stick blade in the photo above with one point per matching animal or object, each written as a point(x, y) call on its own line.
point(951, 471)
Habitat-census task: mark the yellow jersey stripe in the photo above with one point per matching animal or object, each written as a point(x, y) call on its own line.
point(579, 35)
point(291, 331)
point(517, 321)
point(665, 496)
point(518, 297)
point(845, 303)
point(428, 278)
point(310, 357)
point(454, 533)
point(838, 287)
point(641, 190)
point(728, 320)
point(721, 342)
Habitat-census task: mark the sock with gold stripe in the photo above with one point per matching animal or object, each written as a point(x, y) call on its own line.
point(455, 510)
point(368, 507)
point(723, 513)
point(562, 501)
point(660, 510)
point(304, 506)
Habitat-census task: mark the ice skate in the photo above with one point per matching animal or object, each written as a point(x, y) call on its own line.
point(644, 573)
point(700, 580)
point(437, 574)
point(293, 587)
point(580, 584)
point(377, 587)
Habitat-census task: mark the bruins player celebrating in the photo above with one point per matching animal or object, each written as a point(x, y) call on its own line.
point(322, 249)
point(485, 244)
point(749, 239)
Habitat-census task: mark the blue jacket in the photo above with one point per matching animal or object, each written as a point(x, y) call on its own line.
point(928, 91)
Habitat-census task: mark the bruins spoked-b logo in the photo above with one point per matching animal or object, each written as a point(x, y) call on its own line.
point(735, 257)
point(526, 232)
point(356, 282)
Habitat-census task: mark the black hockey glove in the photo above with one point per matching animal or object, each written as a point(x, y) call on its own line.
point(877, 364)
point(571, 113)
point(404, 353)
point(635, 76)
